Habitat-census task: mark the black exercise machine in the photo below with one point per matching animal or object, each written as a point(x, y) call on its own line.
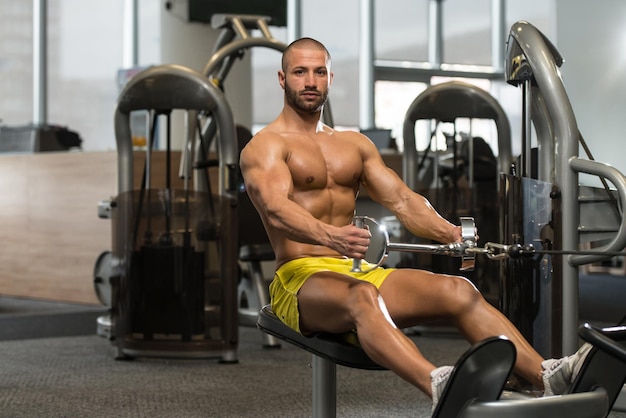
point(475, 388)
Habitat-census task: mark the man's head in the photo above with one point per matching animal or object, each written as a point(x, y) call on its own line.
point(306, 75)
point(304, 43)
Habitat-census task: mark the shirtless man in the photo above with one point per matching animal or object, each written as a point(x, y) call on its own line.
point(303, 178)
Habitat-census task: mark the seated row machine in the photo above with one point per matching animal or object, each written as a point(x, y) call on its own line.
point(475, 388)
point(476, 385)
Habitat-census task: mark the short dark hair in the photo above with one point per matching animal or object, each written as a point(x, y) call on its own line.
point(303, 43)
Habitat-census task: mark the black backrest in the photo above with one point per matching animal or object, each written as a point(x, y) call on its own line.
point(251, 230)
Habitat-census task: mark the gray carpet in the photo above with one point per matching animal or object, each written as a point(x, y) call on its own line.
point(22, 318)
point(76, 376)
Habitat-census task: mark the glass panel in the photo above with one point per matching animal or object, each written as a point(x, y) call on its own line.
point(467, 32)
point(342, 41)
point(401, 31)
point(392, 100)
point(149, 16)
point(538, 12)
point(16, 62)
point(84, 56)
point(267, 96)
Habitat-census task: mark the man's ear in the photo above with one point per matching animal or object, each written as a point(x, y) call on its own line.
point(281, 79)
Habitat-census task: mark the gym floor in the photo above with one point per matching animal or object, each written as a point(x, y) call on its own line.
point(52, 364)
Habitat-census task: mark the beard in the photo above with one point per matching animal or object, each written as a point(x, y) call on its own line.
point(301, 104)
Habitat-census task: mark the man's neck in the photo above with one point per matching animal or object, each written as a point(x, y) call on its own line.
point(303, 121)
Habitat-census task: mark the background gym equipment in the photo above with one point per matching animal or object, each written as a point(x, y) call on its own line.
point(172, 270)
point(551, 206)
point(539, 196)
point(238, 33)
point(472, 159)
point(38, 138)
point(254, 249)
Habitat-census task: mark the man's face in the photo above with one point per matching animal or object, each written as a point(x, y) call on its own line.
point(306, 80)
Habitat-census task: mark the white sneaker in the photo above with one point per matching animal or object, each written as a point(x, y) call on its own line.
point(439, 378)
point(558, 374)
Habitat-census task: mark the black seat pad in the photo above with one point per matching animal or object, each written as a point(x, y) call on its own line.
point(342, 349)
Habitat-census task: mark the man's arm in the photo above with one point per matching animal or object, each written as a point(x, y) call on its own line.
point(412, 209)
point(270, 187)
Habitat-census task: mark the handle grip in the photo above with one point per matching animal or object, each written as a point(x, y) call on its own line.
point(359, 222)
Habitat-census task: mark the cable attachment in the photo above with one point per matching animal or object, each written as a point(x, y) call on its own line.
point(496, 251)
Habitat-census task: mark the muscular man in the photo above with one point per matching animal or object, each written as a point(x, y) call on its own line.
point(303, 177)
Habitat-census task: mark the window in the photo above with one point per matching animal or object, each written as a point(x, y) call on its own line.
point(16, 62)
point(401, 30)
point(403, 69)
point(467, 32)
point(84, 55)
point(267, 99)
point(392, 99)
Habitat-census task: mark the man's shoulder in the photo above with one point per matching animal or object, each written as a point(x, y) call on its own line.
point(265, 141)
point(357, 139)
point(349, 134)
point(267, 131)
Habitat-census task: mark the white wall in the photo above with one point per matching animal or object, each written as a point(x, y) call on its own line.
point(591, 36)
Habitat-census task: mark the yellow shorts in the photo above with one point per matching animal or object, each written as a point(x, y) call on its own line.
point(290, 277)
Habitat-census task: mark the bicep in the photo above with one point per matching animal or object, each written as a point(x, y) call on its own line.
point(265, 174)
point(382, 183)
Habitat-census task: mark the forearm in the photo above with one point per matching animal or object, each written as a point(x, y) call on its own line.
point(416, 213)
point(412, 209)
point(296, 223)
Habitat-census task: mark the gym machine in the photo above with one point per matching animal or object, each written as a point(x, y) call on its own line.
point(542, 211)
point(235, 39)
point(476, 385)
point(203, 126)
point(546, 210)
point(170, 279)
point(445, 103)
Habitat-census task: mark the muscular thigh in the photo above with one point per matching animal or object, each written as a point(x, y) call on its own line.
point(323, 302)
point(417, 296)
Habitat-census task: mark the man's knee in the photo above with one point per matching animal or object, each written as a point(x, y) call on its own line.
point(464, 293)
point(363, 295)
point(363, 291)
point(365, 298)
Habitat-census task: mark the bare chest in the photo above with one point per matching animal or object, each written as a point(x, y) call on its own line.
point(324, 165)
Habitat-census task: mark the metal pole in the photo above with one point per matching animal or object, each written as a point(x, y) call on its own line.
point(498, 34)
point(435, 33)
point(40, 73)
point(294, 20)
point(525, 168)
point(324, 387)
point(366, 66)
point(567, 178)
point(130, 34)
